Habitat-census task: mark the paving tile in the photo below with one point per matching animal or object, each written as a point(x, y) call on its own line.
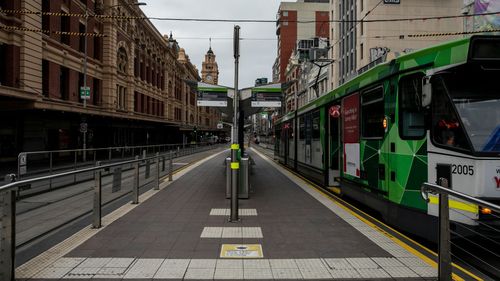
point(388, 262)
point(372, 273)
point(339, 263)
point(315, 273)
point(283, 263)
point(286, 273)
point(229, 264)
point(413, 262)
point(344, 273)
point(400, 272)
point(228, 273)
point(200, 273)
point(53, 272)
point(67, 262)
point(202, 263)
point(257, 273)
point(256, 264)
point(426, 271)
point(143, 268)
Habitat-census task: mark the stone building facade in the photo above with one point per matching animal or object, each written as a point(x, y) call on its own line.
point(137, 78)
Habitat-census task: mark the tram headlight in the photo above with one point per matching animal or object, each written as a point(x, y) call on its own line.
point(485, 211)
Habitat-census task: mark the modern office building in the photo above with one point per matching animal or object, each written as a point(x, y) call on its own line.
point(303, 19)
point(356, 46)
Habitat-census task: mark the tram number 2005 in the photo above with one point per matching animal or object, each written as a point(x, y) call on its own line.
point(462, 169)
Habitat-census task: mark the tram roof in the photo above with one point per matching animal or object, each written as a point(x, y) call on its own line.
point(447, 53)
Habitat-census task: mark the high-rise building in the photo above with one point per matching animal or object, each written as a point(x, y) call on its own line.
point(303, 19)
point(355, 46)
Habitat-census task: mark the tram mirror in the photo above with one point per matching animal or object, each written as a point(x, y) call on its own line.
point(426, 91)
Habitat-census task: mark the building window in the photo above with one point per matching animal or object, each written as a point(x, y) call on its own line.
point(361, 50)
point(285, 13)
point(65, 27)
point(45, 78)
point(64, 82)
point(285, 23)
point(122, 60)
point(81, 43)
point(121, 93)
point(97, 48)
point(96, 94)
point(46, 18)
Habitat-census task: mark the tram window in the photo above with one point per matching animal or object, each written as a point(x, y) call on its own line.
point(302, 128)
point(411, 113)
point(372, 113)
point(315, 125)
point(446, 128)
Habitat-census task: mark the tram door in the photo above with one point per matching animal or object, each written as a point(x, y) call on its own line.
point(334, 144)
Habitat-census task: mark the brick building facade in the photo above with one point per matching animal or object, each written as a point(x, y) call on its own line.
point(137, 78)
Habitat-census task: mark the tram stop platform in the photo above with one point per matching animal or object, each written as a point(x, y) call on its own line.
point(288, 231)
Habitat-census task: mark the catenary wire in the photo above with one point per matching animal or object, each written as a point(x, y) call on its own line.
point(239, 20)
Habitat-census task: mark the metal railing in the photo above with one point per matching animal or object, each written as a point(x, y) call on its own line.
point(41, 162)
point(85, 195)
point(444, 240)
point(50, 162)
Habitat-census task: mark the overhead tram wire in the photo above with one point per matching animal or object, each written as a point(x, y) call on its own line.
point(28, 12)
point(402, 36)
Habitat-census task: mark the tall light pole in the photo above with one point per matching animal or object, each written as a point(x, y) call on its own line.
point(235, 164)
point(85, 66)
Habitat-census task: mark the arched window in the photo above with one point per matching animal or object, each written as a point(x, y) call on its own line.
point(122, 60)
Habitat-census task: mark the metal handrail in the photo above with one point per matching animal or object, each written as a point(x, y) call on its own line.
point(11, 186)
point(107, 148)
point(444, 245)
point(429, 188)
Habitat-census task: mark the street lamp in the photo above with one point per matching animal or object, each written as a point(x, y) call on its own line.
point(85, 66)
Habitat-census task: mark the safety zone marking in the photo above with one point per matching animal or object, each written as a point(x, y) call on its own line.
point(236, 251)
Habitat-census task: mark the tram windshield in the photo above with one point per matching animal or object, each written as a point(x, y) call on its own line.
point(475, 93)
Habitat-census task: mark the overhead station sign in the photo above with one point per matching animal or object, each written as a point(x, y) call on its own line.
point(267, 96)
point(211, 95)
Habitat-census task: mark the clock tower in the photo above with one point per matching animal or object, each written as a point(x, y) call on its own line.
point(209, 68)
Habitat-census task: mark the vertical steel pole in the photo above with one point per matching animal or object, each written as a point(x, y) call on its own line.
point(97, 198)
point(445, 269)
point(170, 167)
point(74, 165)
point(135, 187)
point(157, 179)
point(8, 235)
point(50, 167)
point(85, 83)
point(234, 146)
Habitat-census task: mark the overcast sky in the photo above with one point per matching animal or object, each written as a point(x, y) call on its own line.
point(257, 57)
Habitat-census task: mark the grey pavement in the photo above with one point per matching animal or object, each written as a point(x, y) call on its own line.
point(174, 236)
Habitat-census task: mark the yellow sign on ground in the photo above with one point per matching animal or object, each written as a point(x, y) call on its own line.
point(236, 251)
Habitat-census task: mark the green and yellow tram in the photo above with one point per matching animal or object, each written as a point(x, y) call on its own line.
point(426, 115)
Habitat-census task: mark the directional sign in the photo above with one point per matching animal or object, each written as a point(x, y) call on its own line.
point(211, 95)
point(85, 93)
point(267, 96)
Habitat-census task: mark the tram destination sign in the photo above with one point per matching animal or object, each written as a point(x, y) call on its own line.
point(212, 96)
point(266, 96)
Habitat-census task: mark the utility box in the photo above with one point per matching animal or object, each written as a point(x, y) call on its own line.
point(244, 183)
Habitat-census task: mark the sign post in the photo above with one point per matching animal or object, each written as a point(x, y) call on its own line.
point(235, 164)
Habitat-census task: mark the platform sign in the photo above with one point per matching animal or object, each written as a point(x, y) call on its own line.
point(236, 251)
point(211, 95)
point(267, 96)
